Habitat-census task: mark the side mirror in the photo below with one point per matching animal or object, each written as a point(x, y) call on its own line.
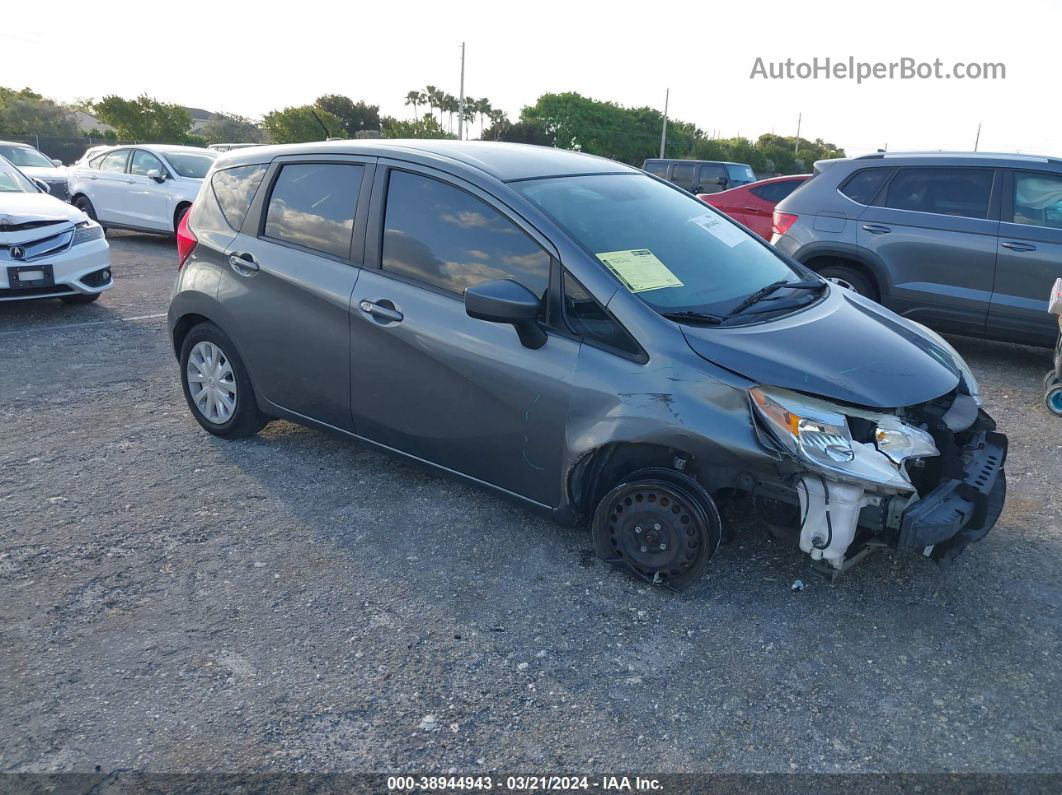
point(44, 186)
point(506, 301)
point(156, 175)
point(57, 162)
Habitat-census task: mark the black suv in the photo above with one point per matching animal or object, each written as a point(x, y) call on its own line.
point(701, 176)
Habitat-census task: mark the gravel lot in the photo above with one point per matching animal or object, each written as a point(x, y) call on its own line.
point(170, 601)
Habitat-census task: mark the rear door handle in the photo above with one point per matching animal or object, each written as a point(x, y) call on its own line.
point(243, 263)
point(385, 313)
point(876, 229)
point(1015, 246)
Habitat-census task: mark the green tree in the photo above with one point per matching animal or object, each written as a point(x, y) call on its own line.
point(449, 106)
point(356, 116)
point(433, 97)
point(27, 113)
point(523, 132)
point(230, 128)
point(425, 127)
point(301, 123)
point(415, 98)
point(145, 119)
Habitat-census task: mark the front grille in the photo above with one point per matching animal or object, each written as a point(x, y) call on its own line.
point(58, 188)
point(42, 247)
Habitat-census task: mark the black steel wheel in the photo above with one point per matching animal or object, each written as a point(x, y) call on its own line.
point(662, 530)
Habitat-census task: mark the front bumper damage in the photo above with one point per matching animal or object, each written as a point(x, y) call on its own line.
point(950, 499)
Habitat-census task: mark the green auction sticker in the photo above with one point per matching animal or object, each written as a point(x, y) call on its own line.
point(639, 269)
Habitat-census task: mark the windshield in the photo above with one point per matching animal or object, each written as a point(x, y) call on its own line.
point(740, 173)
point(194, 166)
point(664, 245)
point(25, 156)
point(13, 181)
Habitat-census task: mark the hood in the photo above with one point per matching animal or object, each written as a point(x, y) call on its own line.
point(25, 208)
point(42, 172)
point(846, 348)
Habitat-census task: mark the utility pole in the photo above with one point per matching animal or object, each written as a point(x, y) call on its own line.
point(461, 99)
point(663, 130)
point(796, 146)
point(977, 140)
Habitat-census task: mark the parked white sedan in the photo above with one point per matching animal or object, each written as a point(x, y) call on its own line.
point(148, 187)
point(48, 249)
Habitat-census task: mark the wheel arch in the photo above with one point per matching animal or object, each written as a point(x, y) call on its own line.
point(181, 205)
point(817, 257)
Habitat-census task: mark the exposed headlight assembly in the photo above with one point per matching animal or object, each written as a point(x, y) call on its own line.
point(86, 231)
point(816, 433)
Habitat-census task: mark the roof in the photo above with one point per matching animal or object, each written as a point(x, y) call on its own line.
point(175, 148)
point(504, 161)
point(16, 143)
point(686, 160)
point(978, 156)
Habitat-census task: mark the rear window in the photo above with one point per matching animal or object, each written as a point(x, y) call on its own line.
point(234, 188)
point(776, 191)
point(193, 166)
point(864, 185)
point(945, 191)
point(312, 205)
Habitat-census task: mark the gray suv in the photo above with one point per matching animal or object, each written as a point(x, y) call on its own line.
point(581, 337)
point(967, 243)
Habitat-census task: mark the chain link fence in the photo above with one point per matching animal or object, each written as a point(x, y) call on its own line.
point(66, 149)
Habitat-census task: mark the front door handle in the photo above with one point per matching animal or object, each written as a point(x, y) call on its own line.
point(243, 263)
point(1013, 245)
point(386, 313)
point(876, 229)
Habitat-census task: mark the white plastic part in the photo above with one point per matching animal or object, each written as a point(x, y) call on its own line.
point(1054, 303)
point(845, 501)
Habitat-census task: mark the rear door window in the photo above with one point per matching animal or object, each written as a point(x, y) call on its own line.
point(864, 185)
point(115, 161)
point(445, 237)
point(1038, 199)
point(234, 188)
point(659, 169)
point(682, 174)
point(945, 191)
point(312, 205)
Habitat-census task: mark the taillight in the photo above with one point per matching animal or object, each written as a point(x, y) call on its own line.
point(186, 240)
point(781, 222)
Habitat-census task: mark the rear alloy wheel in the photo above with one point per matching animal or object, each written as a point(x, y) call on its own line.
point(216, 385)
point(1053, 400)
point(851, 279)
point(662, 530)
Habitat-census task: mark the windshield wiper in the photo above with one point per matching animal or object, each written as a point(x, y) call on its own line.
point(773, 287)
point(692, 315)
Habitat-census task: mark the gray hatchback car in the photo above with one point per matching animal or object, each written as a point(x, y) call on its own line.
point(579, 336)
point(968, 243)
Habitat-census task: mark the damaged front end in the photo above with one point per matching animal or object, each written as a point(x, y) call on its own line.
point(927, 478)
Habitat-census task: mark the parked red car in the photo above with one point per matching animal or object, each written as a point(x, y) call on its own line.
point(753, 204)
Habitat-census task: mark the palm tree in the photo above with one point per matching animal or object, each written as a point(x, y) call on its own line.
point(450, 106)
point(433, 97)
point(414, 98)
point(483, 108)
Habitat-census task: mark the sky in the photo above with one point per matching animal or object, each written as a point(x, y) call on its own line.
point(250, 58)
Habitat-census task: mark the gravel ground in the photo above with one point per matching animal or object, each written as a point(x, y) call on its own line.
point(174, 602)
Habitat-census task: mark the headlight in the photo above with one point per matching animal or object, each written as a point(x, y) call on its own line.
point(900, 441)
point(816, 433)
point(965, 372)
point(86, 231)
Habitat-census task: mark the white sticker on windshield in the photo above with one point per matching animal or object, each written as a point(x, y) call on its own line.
point(724, 231)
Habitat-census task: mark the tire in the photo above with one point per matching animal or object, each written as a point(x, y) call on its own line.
point(82, 203)
point(80, 298)
point(852, 278)
point(220, 395)
point(659, 525)
point(1053, 399)
point(181, 213)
